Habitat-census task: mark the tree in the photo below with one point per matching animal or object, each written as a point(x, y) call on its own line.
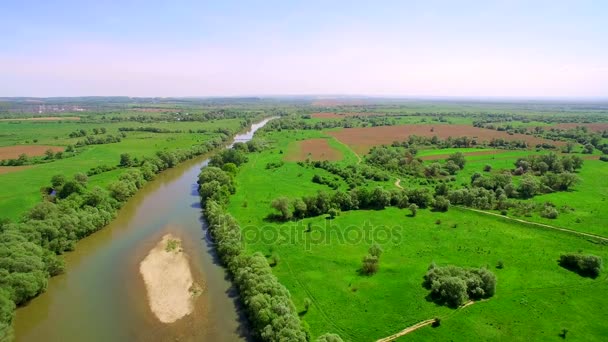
point(49, 154)
point(413, 209)
point(81, 178)
point(57, 181)
point(487, 168)
point(333, 212)
point(458, 159)
point(441, 204)
point(299, 208)
point(588, 149)
point(452, 167)
point(380, 198)
point(370, 265)
point(125, 160)
point(528, 187)
point(70, 187)
point(23, 159)
point(282, 205)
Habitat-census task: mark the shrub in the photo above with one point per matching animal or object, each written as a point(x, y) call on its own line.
point(414, 209)
point(455, 285)
point(441, 204)
point(549, 212)
point(370, 265)
point(586, 265)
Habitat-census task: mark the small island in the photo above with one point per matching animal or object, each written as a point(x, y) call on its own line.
point(169, 283)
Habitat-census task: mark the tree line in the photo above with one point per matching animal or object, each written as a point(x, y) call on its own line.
point(268, 304)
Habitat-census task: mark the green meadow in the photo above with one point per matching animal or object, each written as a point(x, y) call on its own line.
point(318, 258)
point(21, 189)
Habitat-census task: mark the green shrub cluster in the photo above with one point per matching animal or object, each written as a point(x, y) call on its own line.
point(354, 174)
point(585, 265)
point(454, 285)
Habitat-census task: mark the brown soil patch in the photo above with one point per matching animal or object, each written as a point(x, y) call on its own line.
point(595, 127)
point(444, 156)
point(313, 149)
point(13, 152)
point(361, 139)
point(46, 118)
point(330, 115)
point(10, 169)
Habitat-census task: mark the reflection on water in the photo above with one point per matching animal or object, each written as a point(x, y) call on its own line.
point(102, 296)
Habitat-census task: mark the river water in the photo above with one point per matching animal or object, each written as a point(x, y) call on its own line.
point(102, 297)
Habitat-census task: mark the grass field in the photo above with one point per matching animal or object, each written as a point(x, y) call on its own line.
point(535, 297)
point(21, 189)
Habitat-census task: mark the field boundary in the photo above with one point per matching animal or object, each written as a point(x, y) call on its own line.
point(567, 230)
point(359, 160)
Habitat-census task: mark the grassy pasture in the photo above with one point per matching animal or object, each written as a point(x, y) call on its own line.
point(535, 298)
point(21, 189)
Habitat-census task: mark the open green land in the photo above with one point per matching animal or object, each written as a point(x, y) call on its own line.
point(21, 189)
point(511, 208)
point(318, 259)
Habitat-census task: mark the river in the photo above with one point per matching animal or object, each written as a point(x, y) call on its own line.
point(102, 297)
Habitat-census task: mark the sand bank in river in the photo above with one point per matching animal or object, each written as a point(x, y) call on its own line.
point(169, 284)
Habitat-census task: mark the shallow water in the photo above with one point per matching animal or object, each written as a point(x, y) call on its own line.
point(102, 297)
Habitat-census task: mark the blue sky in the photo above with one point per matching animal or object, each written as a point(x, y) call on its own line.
point(232, 48)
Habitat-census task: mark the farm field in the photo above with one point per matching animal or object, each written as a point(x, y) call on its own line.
point(21, 184)
point(313, 149)
point(362, 139)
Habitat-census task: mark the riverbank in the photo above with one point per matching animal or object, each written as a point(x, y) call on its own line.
point(168, 279)
point(104, 281)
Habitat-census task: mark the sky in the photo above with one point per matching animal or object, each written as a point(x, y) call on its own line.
point(260, 48)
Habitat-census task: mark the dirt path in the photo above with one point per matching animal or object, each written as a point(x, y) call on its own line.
point(423, 324)
point(398, 183)
point(536, 224)
point(407, 330)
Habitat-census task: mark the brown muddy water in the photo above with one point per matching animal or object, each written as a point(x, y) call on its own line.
point(102, 297)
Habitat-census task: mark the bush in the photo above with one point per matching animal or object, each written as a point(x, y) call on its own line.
point(454, 286)
point(369, 265)
point(441, 204)
point(549, 212)
point(585, 265)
